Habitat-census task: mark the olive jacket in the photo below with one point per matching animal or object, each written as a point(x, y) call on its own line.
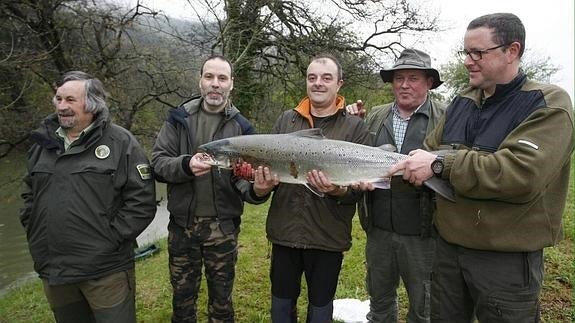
point(509, 166)
point(85, 206)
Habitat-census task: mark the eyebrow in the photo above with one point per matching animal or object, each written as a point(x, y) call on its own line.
point(214, 74)
point(324, 74)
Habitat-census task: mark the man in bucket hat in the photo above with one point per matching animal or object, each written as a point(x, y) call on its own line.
point(400, 235)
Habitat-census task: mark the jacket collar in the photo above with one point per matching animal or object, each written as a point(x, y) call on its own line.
point(45, 135)
point(503, 90)
point(304, 108)
point(194, 105)
point(424, 108)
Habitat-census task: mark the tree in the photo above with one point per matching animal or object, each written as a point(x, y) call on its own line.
point(42, 40)
point(270, 41)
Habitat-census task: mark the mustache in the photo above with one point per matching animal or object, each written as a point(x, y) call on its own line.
point(66, 113)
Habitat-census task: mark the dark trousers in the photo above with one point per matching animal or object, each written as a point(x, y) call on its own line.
point(493, 286)
point(321, 269)
point(203, 244)
point(391, 257)
point(109, 299)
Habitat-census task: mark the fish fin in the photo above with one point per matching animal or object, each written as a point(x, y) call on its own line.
point(310, 133)
point(383, 183)
point(441, 187)
point(388, 147)
point(313, 190)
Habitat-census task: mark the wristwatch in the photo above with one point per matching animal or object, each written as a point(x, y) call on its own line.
point(437, 166)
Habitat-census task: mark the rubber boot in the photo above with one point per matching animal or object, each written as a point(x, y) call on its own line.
point(323, 314)
point(284, 310)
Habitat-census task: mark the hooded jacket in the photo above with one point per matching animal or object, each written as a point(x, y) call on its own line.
point(84, 207)
point(298, 218)
point(173, 149)
point(509, 166)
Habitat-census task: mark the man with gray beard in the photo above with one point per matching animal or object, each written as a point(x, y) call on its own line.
point(88, 194)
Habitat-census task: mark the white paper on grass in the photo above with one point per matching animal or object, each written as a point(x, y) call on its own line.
point(350, 310)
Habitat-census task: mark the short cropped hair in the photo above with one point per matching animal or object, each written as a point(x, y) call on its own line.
point(324, 56)
point(220, 57)
point(507, 27)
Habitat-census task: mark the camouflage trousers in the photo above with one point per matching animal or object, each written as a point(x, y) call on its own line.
point(202, 244)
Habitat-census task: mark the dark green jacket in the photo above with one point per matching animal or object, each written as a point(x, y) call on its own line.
point(83, 208)
point(171, 155)
point(510, 167)
point(298, 218)
point(404, 208)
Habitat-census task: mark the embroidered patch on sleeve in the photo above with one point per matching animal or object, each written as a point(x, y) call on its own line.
point(144, 171)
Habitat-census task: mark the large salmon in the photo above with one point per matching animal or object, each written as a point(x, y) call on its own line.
point(294, 154)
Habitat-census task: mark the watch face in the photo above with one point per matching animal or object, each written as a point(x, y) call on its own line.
point(437, 167)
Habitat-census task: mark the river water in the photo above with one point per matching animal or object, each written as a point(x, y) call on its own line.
point(15, 261)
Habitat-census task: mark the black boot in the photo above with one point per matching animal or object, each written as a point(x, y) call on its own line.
point(321, 314)
point(284, 310)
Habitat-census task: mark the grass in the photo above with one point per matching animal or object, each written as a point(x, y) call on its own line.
point(252, 290)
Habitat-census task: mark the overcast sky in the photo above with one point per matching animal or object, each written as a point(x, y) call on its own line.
point(549, 26)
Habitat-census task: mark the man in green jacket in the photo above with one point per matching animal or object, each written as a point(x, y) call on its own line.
point(88, 194)
point(400, 236)
point(509, 142)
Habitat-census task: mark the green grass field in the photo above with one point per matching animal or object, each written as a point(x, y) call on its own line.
point(252, 289)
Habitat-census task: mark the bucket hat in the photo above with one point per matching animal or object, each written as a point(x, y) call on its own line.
point(412, 59)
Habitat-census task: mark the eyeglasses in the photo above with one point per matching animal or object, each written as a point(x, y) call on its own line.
point(476, 55)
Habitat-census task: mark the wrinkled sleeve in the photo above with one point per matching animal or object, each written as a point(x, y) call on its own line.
point(517, 172)
point(246, 190)
point(138, 206)
point(169, 165)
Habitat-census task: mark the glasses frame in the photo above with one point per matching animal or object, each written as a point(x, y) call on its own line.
point(477, 53)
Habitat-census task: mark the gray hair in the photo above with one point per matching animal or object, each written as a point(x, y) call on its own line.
point(94, 91)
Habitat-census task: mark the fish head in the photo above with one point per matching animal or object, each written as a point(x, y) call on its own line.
point(219, 153)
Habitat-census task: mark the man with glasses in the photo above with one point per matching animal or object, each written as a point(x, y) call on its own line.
point(509, 142)
point(476, 55)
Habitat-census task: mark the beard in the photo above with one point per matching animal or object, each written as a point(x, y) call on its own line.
point(67, 119)
point(214, 103)
point(218, 101)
